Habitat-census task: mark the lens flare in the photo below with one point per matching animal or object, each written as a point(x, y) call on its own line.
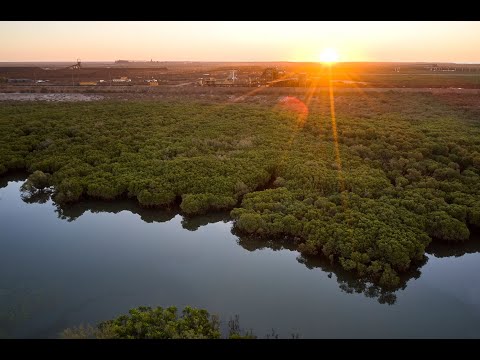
point(296, 106)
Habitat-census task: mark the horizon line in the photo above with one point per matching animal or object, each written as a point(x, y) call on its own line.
point(240, 61)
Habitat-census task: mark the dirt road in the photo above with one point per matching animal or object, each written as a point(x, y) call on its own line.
point(49, 97)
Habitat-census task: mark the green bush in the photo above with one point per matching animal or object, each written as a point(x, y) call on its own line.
point(405, 169)
point(158, 323)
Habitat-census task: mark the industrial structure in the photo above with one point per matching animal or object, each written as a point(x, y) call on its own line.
point(76, 66)
point(231, 80)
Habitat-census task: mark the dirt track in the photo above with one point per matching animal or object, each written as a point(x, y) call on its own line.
point(75, 94)
point(49, 97)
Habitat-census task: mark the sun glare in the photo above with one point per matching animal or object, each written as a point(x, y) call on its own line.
point(329, 56)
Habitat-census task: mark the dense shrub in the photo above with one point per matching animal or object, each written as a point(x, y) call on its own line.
point(158, 323)
point(405, 169)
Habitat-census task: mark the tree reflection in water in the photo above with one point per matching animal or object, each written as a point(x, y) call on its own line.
point(347, 281)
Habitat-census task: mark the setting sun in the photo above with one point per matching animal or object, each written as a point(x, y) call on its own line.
point(329, 55)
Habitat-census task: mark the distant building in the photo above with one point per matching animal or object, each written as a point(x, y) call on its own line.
point(152, 82)
point(122, 79)
point(432, 67)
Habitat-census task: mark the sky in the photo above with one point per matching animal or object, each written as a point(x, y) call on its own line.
point(453, 41)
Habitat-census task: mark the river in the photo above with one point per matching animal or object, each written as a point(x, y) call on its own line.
point(95, 260)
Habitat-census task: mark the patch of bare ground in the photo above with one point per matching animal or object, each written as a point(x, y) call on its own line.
point(260, 95)
point(58, 97)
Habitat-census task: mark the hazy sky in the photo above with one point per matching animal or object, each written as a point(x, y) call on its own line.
point(240, 41)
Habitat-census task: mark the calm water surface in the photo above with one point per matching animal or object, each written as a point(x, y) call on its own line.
point(94, 261)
